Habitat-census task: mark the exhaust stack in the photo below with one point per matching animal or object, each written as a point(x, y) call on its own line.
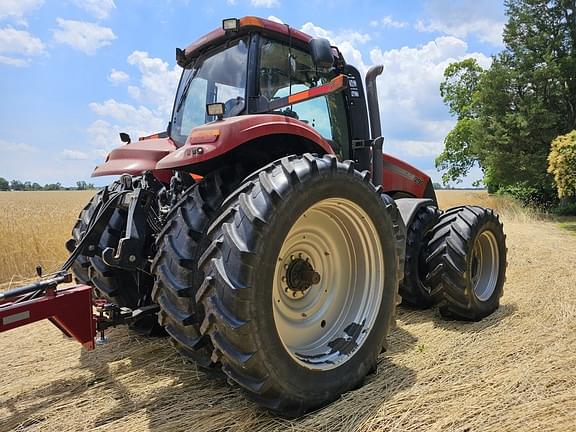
point(375, 126)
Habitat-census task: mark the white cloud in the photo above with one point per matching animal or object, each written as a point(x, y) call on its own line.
point(7, 146)
point(154, 92)
point(265, 3)
point(83, 36)
point(118, 77)
point(21, 45)
point(20, 42)
point(158, 81)
point(134, 92)
point(388, 22)
point(345, 40)
point(99, 8)
point(464, 18)
point(414, 118)
point(72, 154)
point(408, 91)
point(275, 19)
point(122, 118)
point(232, 2)
point(417, 148)
point(12, 61)
point(16, 9)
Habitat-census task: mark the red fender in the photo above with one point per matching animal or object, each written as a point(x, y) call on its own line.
point(217, 138)
point(136, 158)
point(402, 177)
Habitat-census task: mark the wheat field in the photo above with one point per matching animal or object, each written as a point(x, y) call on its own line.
point(513, 371)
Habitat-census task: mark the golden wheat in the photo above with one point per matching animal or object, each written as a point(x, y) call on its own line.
point(33, 229)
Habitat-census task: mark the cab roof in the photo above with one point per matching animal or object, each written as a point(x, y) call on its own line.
point(246, 24)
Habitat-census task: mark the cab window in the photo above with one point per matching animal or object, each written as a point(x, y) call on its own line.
point(282, 74)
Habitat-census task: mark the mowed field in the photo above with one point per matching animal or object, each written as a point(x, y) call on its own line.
point(514, 371)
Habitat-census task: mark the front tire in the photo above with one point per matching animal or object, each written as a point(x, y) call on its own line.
point(467, 262)
point(301, 282)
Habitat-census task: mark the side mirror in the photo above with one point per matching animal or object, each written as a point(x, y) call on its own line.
point(321, 51)
point(125, 138)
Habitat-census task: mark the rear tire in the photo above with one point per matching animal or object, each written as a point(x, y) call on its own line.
point(121, 287)
point(467, 262)
point(179, 245)
point(413, 289)
point(286, 321)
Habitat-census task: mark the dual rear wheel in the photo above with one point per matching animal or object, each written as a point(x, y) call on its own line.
point(287, 281)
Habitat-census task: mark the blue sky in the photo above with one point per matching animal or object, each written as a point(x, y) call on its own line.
point(73, 73)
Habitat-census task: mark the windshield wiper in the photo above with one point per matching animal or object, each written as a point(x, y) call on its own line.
point(186, 88)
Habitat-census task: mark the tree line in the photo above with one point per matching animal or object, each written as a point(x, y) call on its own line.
point(17, 185)
point(516, 119)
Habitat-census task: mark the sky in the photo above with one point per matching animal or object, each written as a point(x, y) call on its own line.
point(74, 73)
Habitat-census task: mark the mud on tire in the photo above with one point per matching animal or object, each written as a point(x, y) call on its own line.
point(466, 259)
point(254, 260)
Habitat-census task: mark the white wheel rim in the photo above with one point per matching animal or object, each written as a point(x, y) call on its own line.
point(324, 325)
point(485, 265)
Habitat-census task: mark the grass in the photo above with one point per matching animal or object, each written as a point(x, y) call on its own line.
point(569, 225)
point(512, 371)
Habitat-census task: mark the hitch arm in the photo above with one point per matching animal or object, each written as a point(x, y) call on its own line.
point(129, 252)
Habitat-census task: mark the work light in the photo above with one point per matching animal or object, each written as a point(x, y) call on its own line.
point(231, 24)
point(215, 109)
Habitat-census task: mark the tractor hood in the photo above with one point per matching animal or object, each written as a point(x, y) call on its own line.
point(217, 138)
point(135, 158)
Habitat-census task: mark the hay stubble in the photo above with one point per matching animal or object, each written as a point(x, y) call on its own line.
point(512, 371)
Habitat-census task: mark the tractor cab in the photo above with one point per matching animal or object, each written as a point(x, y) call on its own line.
point(250, 65)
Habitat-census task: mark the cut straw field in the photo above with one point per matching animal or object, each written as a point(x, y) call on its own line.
point(514, 371)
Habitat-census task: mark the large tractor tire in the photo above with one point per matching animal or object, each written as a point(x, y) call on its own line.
point(301, 282)
point(467, 262)
point(413, 289)
point(179, 245)
point(122, 287)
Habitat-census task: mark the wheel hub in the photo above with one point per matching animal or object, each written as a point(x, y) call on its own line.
point(300, 275)
point(324, 283)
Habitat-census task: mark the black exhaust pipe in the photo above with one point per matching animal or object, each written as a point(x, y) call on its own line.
point(375, 126)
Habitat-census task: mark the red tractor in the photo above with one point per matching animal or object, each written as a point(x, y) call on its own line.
point(267, 228)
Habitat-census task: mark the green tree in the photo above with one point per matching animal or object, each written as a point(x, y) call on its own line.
point(52, 186)
point(16, 185)
point(4, 184)
point(508, 115)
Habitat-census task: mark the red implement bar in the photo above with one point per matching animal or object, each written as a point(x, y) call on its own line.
point(68, 309)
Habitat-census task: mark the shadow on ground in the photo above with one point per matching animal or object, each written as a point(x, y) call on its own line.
point(146, 384)
point(408, 315)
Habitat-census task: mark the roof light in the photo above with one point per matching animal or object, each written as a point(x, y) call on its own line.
point(231, 24)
